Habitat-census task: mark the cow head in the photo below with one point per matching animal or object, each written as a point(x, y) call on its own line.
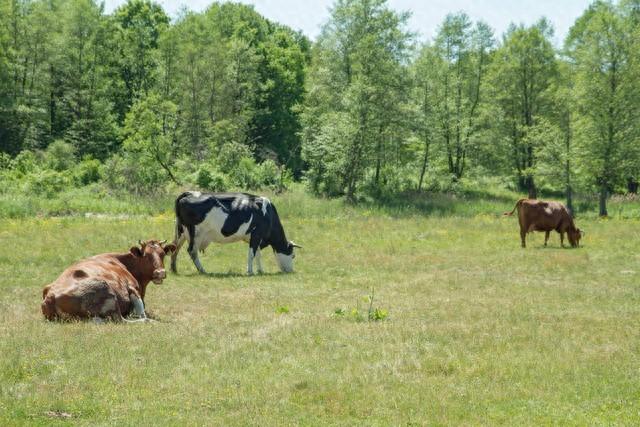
point(285, 258)
point(574, 236)
point(151, 258)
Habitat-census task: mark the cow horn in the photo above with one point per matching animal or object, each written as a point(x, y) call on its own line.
point(163, 243)
point(141, 243)
point(295, 245)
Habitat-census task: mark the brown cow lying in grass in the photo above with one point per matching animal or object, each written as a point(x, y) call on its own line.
point(536, 215)
point(108, 286)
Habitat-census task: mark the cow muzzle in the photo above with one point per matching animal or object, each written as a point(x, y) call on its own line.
point(159, 275)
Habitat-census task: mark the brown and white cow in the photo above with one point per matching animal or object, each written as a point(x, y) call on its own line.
point(536, 215)
point(107, 285)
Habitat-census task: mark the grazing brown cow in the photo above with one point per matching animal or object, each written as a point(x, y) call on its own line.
point(536, 215)
point(107, 285)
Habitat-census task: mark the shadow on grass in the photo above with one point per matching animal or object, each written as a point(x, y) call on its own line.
point(229, 274)
point(431, 203)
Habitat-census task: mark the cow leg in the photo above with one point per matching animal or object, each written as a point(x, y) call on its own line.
point(174, 254)
point(254, 252)
point(138, 306)
point(194, 244)
point(196, 261)
point(523, 237)
point(562, 239)
point(193, 252)
point(259, 261)
point(138, 309)
point(250, 261)
point(546, 237)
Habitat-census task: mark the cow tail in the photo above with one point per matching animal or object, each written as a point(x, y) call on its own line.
point(179, 227)
point(518, 203)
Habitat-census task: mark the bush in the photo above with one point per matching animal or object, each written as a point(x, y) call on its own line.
point(5, 161)
point(87, 172)
point(25, 162)
point(231, 155)
point(268, 174)
point(132, 173)
point(60, 156)
point(47, 182)
point(207, 178)
point(245, 175)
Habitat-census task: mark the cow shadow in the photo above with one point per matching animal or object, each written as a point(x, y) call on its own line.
point(229, 274)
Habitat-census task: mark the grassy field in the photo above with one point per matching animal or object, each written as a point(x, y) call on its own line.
point(477, 331)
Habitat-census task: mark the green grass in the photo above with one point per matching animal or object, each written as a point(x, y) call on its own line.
point(477, 332)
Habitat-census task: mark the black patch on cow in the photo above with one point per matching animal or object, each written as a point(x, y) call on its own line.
point(80, 274)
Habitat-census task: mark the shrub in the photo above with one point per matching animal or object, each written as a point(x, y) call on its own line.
point(5, 161)
point(47, 182)
point(60, 156)
point(231, 155)
point(210, 179)
point(268, 174)
point(25, 162)
point(87, 172)
point(245, 175)
point(131, 173)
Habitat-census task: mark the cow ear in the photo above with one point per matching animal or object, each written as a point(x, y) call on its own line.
point(136, 251)
point(170, 248)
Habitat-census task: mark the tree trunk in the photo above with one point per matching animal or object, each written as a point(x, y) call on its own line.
point(604, 194)
point(569, 195)
point(531, 187)
point(378, 159)
point(425, 161)
point(632, 185)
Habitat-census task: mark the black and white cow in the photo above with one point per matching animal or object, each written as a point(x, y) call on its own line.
point(202, 218)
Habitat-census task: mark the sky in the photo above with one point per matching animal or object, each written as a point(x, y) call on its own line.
point(427, 15)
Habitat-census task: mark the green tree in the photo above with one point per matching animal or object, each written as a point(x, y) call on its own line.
point(523, 74)
point(463, 51)
point(605, 49)
point(138, 27)
point(150, 130)
point(357, 76)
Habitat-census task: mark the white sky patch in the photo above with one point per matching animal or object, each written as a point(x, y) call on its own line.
point(308, 16)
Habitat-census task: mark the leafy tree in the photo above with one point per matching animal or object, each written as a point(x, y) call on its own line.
point(277, 121)
point(522, 79)
point(462, 52)
point(605, 50)
point(138, 27)
point(149, 132)
point(356, 76)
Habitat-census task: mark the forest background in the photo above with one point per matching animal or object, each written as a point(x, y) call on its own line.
point(136, 104)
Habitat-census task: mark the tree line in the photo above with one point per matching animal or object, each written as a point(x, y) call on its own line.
point(365, 108)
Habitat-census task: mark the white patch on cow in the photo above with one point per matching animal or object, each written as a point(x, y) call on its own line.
point(239, 203)
point(109, 306)
point(265, 205)
point(259, 261)
point(210, 230)
point(138, 307)
point(250, 261)
point(285, 262)
point(196, 193)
